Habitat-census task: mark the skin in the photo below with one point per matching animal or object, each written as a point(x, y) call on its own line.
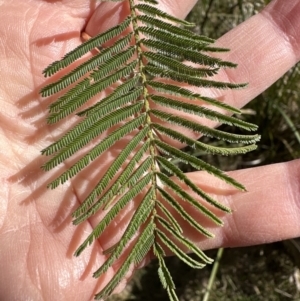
point(36, 235)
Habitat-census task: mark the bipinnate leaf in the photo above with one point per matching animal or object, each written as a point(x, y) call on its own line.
point(85, 48)
point(186, 197)
point(143, 245)
point(142, 213)
point(165, 276)
point(172, 221)
point(187, 94)
point(178, 252)
point(140, 71)
point(174, 170)
point(155, 12)
point(174, 30)
point(183, 213)
point(119, 92)
point(188, 244)
point(113, 191)
point(178, 40)
point(113, 212)
point(189, 55)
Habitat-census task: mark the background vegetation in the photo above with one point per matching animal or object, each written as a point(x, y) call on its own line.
point(268, 272)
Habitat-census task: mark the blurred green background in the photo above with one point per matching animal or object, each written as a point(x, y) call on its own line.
point(260, 273)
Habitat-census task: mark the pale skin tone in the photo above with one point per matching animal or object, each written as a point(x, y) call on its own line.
point(37, 238)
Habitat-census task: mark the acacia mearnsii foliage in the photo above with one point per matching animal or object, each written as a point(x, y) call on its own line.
point(145, 69)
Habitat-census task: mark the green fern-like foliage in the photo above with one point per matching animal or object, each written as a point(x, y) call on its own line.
point(144, 65)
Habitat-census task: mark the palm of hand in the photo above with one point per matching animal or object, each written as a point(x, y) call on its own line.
point(36, 235)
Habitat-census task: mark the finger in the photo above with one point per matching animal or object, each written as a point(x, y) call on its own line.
point(264, 47)
point(268, 212)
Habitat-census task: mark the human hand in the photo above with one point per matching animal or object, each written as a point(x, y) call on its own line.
point(37, 237)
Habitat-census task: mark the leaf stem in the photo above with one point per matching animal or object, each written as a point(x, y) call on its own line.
point(145, 89)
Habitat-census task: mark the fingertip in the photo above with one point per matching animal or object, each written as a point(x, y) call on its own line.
point(287, 22)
